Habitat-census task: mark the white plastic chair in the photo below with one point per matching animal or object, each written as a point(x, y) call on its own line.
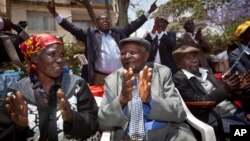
point(207, 131)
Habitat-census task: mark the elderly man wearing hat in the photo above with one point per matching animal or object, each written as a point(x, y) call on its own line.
point(163, 43)
point(239, 59)
point(196, 39)
point(197, 84)
point(161, 116)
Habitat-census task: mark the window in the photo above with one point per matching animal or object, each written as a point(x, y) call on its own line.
point(41, 21)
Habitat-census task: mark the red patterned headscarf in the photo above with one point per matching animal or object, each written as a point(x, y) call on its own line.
point(35, 44)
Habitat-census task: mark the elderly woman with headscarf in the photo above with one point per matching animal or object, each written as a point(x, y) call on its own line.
point(47, 104)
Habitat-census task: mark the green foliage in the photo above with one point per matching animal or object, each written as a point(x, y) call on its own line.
point(70, 50)
point(221, 42)
point(180, 10)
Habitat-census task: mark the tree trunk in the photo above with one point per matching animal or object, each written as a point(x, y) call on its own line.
point(90, 10)
point(108, 10)
point(123, 12)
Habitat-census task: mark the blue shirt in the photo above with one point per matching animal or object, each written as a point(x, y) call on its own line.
point(149, 124)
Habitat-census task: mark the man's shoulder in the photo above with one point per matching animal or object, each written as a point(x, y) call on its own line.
point(236, 52)
point(179, 75)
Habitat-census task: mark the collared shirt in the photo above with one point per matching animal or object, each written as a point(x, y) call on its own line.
point(151, 124)
point(159, 36)
point(108, 57)
point(245, 49)
point(206, 84)
point(148, 124)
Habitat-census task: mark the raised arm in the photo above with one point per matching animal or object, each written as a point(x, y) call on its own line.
point(76, 31)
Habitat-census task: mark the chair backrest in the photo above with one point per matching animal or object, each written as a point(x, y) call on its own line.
point(207, 131)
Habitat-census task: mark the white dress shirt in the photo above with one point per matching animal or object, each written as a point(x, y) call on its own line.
point(159, 36)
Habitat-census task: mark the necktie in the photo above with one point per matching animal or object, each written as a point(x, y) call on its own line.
point(136, 124)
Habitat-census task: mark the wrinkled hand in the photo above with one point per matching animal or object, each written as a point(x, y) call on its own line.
point(52, 9)
point(127, 86)
point(153, 7)
point(232, 82)
point(248, 117)
point(245, 80)
point(145, 77)
point(8, 25)
point(17, 109)
point(64, 106)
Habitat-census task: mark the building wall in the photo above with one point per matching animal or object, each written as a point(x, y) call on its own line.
point(19, 12)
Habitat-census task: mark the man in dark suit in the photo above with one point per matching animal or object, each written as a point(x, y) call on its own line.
point(162, 43)
point(101, 43)
point(239, 59)
point(197, 84)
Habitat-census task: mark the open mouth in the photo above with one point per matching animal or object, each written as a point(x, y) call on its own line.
point(130, 64)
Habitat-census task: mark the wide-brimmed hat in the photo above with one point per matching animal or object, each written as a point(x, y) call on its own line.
point(146, 44)
point(182, 51)
point(242, 28)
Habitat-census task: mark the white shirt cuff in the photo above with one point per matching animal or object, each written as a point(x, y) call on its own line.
point(59, 19)
point(1, 24)
point(146, 14)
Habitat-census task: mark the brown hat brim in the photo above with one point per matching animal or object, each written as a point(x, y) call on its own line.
point(182, 51)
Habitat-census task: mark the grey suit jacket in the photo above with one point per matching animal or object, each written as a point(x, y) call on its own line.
point(166, 102)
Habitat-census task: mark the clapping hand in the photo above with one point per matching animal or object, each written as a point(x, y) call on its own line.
point(64, 106)
point(245, 80)
point(17, 109)
point(145, 77)
point(232, 82)
point(127, 86)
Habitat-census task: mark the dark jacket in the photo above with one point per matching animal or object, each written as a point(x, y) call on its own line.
point(45, 120)
point(192, 90)
point(243, 64)
point(92, 39)
point(166, 46)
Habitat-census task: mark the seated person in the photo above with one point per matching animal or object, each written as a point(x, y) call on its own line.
point(160, 116)
point(47, 104)
point(239, 59)
point(198, 84)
